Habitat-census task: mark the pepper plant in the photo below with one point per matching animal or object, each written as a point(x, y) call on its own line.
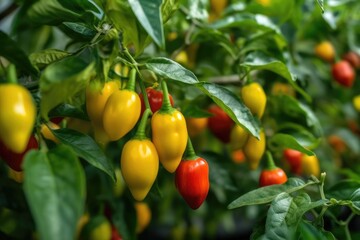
point(90, 146)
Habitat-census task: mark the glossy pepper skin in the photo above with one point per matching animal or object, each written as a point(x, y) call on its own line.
point(310, 165)
point(14, 160)
point(254, 98)
point(139, 166)
point(220, 124)
point(254, 150)
point(293, 158)
point(96, 99)
point(17, 116)
point(122, 110)
point(169, 134)
point(192, 181)
point(272, 174)
point(140, 162)
point(343, 73)
point(155, 99)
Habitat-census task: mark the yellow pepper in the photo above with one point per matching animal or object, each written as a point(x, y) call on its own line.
point(310, 165)
point(254, 150)
point(17, 116)
point(254, 98)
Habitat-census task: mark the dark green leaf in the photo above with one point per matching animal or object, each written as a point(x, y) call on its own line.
point(259, 61)
point(168, 68)
point(62, 80)
point(149, 15)
point(281, 140)
point(355, 201)
point(309, 232)
point(343, 190)
point(67, 110)
point(55, 190)
point(78, 31)
point(14, 54)
point(124, 20)
point(267, 194)
point(279, 9)
point(45, 57)
point(85, 147)
point(232, 105)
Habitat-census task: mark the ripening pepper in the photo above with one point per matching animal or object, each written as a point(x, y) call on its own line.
point(238, 137)
point(192, 178)
point(17, 116)
point(143, 216)
point(293, 158)
point(140, 162)
point(343, 73)
point(122, 110)
point(196, 126)
point(310, 165)
point(155, 98)
point(254, 98)
point(254, 150)
point(220, 124)
point(169, 133)
point(271, 174)
point(14, 160)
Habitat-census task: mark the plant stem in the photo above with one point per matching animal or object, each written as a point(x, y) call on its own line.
point(11, 74)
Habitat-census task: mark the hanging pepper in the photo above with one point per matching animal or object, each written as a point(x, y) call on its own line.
point(220, 124)
point(122, 110)
point(254, 150)
point(169, 133)
point(139, 162)
point(271, 174)
point(192, 178)
point(17, 116)
point(310, 165)
point(238, 137)
point(293, 158)
point(254, 98)
point(155, 99)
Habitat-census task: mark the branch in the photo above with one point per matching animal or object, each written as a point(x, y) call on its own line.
point(230, 79)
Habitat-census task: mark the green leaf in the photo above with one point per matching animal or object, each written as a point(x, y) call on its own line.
point(124, 20)
point(232, 105)
point(124, 218)
point(45, 57)
point(67, 110)
point(198, 9)
point(168, 68)
point(343, 190)
point(55, 190)
point(78, 31)
point(51, 12)
point(149, 15)
point(254, 22)
point(62, 80)
point(285, 213)
point(267, 194)
point(355, 201)
point(279, 9)
point(351, 140)
point(15, 55)
point(309, 232)
point(284, 105)
point(85, 147)
point(259, 61)
point(280, 141)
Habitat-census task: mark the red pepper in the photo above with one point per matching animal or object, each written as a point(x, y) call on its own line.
point(155, 99)
point(220, 124)
point(272, 174)
point(343, 73)
point(293, 158)
point(192, 178)
point(14, 160)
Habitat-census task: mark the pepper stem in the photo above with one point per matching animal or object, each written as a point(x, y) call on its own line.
point(270, 165)
point(131, 83)
point(190, 152)
point(144, 93)
point(11, 74)
point(140, 132)
point(166, 105)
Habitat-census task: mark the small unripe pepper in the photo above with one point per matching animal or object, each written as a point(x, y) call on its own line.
point(271, 174)
point(122, 110)
point(140, 162)
point(192, 178)
point(254, 150)
point(169, 133)
point(17, 116)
